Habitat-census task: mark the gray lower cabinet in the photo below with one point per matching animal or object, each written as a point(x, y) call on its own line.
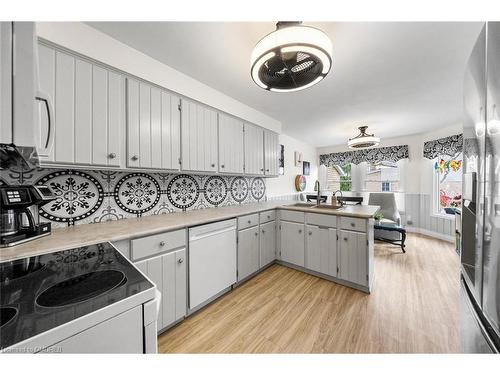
point(267, 243)
point(248, 252)
point(292, 243)
point(168, 272)
point(353, 257)
point(321, 249)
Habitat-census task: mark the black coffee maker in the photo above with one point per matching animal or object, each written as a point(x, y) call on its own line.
point(19, 218)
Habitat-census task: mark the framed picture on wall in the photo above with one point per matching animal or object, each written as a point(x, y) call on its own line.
point(282, 160)
point(306, 168)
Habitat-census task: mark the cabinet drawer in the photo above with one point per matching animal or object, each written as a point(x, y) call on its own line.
point(248, 221)
point(289, 215)
point(352, 223)
point(267, 216)
point(159, 243)
point(322, 220)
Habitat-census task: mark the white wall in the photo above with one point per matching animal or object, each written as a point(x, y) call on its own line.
point(284, 185)
point(92, 43)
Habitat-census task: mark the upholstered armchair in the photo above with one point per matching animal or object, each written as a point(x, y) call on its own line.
point(389, 210)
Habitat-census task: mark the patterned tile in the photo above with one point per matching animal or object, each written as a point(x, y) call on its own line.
point(85, 197)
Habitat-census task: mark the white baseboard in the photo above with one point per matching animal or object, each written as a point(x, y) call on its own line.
point(429, 233)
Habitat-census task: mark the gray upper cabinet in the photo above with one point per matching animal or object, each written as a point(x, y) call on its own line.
point(153, 127)
point(254, 150)
point(271, 153)
point(231, 155)
point(89, 106)
point(199, 137)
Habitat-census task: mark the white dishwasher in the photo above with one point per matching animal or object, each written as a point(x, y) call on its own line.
point(212, 260)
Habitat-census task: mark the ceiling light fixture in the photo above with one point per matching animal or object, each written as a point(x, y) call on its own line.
point(292, 58)
point(363, 139)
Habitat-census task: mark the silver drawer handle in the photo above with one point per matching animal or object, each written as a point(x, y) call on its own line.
point(180, 261)
point(112, 155)
point(352, 224)
point(162, 243)
point(134, 157)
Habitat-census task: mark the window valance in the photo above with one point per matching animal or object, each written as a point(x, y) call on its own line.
point(371, 155)
point(450, 146)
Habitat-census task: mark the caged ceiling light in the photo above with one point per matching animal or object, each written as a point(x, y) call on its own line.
point(363, 139)
point(291, 58)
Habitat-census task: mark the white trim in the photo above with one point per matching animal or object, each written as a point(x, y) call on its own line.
point(429, 233)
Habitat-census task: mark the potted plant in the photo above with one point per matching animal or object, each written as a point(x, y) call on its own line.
point(378, 217)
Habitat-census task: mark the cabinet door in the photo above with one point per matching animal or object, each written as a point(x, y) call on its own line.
point(153, 127)
point(89, 109)
point(231, 155)
point(248, 252)
point(199, 137)
point(174, 287)
point(153, 268)
point(292, 243)
point(267, 243)
point(271, 153)
point(321, 249)
point(353, 257)
point(254, 150)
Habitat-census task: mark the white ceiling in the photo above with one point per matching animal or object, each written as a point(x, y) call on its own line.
point(397, 78)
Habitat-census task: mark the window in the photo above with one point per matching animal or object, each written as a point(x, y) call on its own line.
point(339, 178)
point(382, 176)
point(448, 184)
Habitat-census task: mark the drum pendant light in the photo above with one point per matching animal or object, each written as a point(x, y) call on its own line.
point(292, 58)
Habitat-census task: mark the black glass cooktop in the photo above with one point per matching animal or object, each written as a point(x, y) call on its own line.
point(41, 293)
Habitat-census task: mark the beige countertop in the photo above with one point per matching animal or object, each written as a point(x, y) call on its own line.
point(89, 234)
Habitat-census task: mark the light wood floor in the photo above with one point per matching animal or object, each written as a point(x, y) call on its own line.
point(413, 309)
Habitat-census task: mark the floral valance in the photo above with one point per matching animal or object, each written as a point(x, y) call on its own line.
point(371, 155)
point(450, 146)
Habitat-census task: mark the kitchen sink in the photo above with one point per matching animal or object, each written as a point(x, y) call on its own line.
point(307, 205)
point(327, 207)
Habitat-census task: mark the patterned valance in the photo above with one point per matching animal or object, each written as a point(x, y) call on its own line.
point(444, 146)
point(371, 155)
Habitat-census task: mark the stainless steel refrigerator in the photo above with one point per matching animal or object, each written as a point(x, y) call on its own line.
point(480, 255)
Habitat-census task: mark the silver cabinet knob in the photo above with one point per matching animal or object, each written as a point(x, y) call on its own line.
point(256, 233)
point(180, 261)
point(310, 233)
point(112, 155)
point(134, 157)
point(300, 230)
point(222, 166)
point(267, 170)
point(262, 169)
point(162, 243)
point(352, 224)
point(268, 216)
point(213, 165)
point(345, 238)
point(249, 221)
point(263, 231)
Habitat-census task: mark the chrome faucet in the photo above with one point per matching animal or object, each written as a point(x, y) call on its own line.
point(316, 188)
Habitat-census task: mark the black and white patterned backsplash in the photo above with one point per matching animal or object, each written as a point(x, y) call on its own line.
point(94, 196)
